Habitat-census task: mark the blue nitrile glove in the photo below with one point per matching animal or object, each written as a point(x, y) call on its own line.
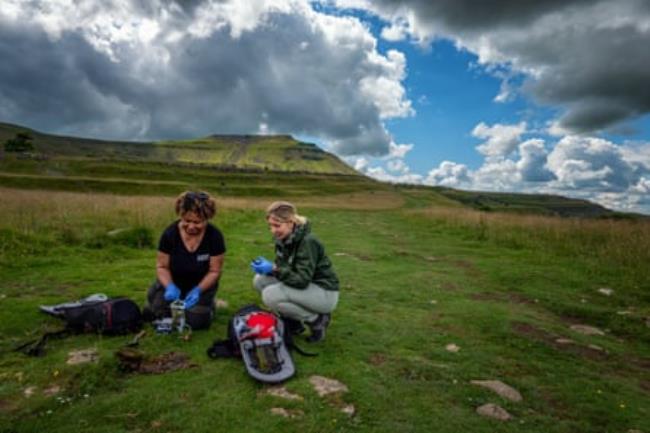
point(172, 292)
point(192, 297)
point(262, 266)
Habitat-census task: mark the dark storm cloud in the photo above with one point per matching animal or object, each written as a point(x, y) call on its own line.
point(588, 57)
point(463, 15)
point(49, 83)
point(194, 75)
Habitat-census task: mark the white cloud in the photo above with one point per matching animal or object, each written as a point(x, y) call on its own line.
point(398, 166)
point(385, 88)
point(397, 31)
point(398, 150)
point(591, 164)
point(497, 174)
point(501, 139)
point(643, 186)
point(360, 164)
point(532, 162)
point(449, 174)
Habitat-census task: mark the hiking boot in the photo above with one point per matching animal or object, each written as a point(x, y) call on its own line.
point(294, 327)
point(318, 328)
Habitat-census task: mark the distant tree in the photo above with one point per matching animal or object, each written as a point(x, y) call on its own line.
point(22, 142)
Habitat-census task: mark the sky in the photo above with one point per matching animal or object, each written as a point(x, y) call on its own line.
point(550, 96)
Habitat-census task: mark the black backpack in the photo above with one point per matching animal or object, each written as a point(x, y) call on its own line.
point(117, 316)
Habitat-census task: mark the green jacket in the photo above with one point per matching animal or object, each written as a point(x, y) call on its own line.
point(301, 259)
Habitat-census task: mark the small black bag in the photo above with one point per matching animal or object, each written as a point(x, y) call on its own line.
point(116, 316)
point(111, 317)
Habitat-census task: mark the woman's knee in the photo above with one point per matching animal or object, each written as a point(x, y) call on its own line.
point(199, 317)
point(273, 295)
point(260, 282)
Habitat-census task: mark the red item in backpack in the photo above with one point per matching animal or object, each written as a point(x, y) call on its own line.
point(261, 325)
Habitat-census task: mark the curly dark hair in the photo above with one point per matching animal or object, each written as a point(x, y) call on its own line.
point(200, 203)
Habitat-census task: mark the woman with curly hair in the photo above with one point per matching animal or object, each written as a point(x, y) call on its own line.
point(189, 262)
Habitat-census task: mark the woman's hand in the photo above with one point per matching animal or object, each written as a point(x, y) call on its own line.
point(262, 266)
point(192, 297)
point(172, 292)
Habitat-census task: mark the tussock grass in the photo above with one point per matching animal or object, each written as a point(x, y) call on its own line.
point(609, 242)
point(28, 210)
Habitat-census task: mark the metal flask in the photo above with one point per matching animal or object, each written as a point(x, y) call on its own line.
point(178, 315)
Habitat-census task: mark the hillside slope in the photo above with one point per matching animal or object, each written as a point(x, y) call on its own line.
point(261, 152)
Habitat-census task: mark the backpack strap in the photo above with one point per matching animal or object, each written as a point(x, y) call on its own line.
point(36, 348)
point(222, 349)
point(291, 343)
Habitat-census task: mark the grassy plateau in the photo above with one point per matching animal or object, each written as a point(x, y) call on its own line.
point(434, 295)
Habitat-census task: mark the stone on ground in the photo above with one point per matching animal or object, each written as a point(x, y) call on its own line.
point(84, 356)
point(52, 390)
point(493, 411)
point(349, 409)
point(452, 348)
point(500, 388)
point(325, 386)
point(606, 291)
point(587, 330)
point(287, 413)
point(282, 392)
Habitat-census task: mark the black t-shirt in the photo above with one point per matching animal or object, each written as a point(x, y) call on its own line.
point(188, 269)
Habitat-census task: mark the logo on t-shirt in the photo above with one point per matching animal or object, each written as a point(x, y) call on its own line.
point(202, 257)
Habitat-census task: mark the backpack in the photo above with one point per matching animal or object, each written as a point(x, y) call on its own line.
point(115, 316)
point(97, 313)
point(261, 339)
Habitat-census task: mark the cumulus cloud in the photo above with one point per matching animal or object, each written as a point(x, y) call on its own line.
point(398, 166)
point(532, 162)
point(449, 174)
point(595, 164)
point(380, 173)
point(129, 70)
point(398, 150)
point(559, 46)
point(501, 139)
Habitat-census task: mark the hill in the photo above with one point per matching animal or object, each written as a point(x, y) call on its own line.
point(243, 152)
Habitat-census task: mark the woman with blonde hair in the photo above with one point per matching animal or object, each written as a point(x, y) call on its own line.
point(301, 284)
point(188, 266)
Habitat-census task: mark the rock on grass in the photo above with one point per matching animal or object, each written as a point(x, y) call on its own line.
point(587, 330)
point(500, 388)
point(282, 392)
point(325, 386)
point(493, 411)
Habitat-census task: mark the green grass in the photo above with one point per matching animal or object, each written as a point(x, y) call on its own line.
point(155, 178)
point(413, 279)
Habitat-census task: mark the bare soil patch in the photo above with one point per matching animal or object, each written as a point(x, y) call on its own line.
point(378, 359)
point(133, 360)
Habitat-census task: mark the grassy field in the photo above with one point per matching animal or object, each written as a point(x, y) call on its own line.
point(417, 275)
